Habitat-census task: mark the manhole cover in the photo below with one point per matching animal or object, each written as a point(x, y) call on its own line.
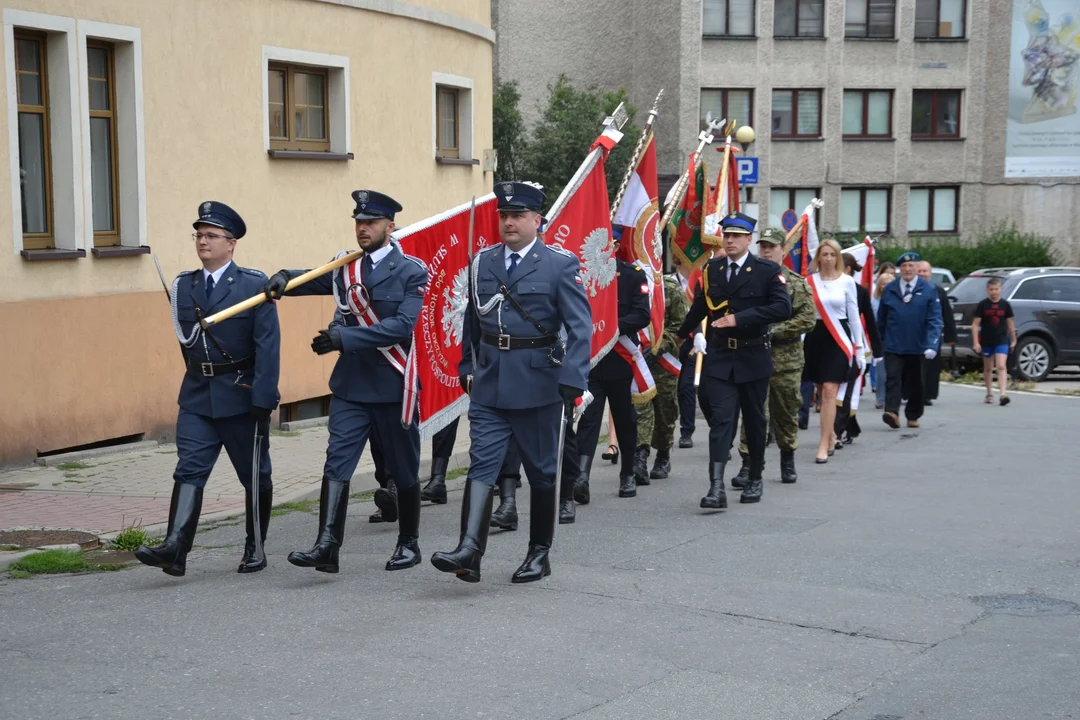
point(37, 538)
point(1029, 605)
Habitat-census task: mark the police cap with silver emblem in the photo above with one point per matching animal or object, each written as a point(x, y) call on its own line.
point(738, 223)
point(519, 196)
point(371, 205)
point(220, 215)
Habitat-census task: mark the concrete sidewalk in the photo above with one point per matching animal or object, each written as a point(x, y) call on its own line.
point(105, 494)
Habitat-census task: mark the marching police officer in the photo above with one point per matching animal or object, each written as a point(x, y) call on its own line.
point(741, 295)
point(519, 377)
point(228, 392)
point(784, 398)
point(380, 296)
point(611, 379)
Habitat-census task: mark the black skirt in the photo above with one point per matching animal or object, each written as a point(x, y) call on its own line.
point(825, 360)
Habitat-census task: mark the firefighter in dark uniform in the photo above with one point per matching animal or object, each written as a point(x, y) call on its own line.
point(611, 379)
point(368, 390)
point(229, 390)
point(741, 295)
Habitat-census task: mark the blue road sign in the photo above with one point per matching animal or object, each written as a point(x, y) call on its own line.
point(748, 170)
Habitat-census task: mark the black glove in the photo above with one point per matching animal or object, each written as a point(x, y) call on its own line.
point(260, 414)
point(569, 395)
point(275, 286)
point(466, 383)
point(327, 340)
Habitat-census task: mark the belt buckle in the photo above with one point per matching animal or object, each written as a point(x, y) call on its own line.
point(207, 369)
point(504, 342)
point(732, 344)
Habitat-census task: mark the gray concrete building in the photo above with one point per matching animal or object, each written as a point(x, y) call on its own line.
point(895, 112)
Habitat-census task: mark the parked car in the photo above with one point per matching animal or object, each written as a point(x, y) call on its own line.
point(942, 277)
point(1046, 302)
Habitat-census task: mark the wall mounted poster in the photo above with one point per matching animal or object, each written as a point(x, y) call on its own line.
point(1043, 129)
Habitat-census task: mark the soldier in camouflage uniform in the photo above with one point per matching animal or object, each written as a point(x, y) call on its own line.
point(656, 419)
point(784, 399)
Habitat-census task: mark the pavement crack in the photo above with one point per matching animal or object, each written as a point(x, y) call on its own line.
point(620, 696)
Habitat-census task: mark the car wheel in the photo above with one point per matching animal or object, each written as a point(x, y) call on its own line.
point(1034, 358)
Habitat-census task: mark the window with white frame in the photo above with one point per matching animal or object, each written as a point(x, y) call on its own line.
point(864, 210)
point(43, 135)
point(933, 209)
point(452, 119)
point(306, 106)
point(727, 18)
point(936, 19)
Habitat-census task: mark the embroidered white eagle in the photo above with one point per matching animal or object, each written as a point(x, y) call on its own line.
point(455, 300)
point(597, 257)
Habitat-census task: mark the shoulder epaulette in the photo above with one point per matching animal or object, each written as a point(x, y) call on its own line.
point(418, 261)
point(185, 273)
point(250, 271)
point(561, 251)
point(489, 247)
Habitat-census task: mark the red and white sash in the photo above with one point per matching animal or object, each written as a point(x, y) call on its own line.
point(671, 363)
point(357, 302)
point(642, 386)
point(832, 322)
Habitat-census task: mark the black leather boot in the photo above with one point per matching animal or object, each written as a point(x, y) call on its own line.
point(641, 465)
point(435, 490)
point(407, 552)
point(662, 466)
point(386, 501)
point(686, 441)
point(716, 499)
point(581, 485)
point(742, 478)
point(567, 511)
point(252, 562)
point(464, 561)
point(541, 534)
point(171, 554)
point(506, 515)
point(752, 492)
point(627, 486)
point(787, 467)
point(333, 506)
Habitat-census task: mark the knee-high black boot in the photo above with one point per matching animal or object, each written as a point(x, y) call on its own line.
point(581, 485)
point(407, 552)
point(252, 561)
point(541, 534)
point(171, 554)
point(333, 505)
point(506, 515)
point(464, 561)
point(716, 499)
point(435, 490)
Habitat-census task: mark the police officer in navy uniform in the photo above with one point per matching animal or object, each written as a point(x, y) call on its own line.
point(229, 389)
point(520, 377)
point(367, 391)
point(741, 295)
point(610, 380)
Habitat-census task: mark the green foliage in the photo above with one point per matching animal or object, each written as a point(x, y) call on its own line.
point(131, 538)
point(561, 139)
point(55, 561)
point(1002, 245)
point(74, 465)
point(298, 506)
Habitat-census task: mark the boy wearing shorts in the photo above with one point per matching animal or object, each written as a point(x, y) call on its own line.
point(994, 332)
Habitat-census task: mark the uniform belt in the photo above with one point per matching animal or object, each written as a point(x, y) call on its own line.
point(786, 341)
point(208, 369)
point(736, 343)
point(505, 342)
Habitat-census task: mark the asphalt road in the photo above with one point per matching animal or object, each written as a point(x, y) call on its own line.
point(927, 574)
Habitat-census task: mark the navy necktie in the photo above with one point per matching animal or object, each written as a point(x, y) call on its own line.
point(513, 264)
point(209, 285)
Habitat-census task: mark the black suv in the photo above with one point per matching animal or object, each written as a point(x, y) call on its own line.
point(1046, 302)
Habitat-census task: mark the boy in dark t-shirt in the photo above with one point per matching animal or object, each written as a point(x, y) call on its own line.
point(994, 336)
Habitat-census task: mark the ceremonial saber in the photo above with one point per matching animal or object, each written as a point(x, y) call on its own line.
point(295, 282)
point(472, 339)
point(256, 520)
point(637, 155)
point(161, 276)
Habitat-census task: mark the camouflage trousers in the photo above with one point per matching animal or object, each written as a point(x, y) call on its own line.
point(782, 410)
point(656, 419)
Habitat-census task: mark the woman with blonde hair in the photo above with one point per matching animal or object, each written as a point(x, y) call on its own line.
point(835, 346)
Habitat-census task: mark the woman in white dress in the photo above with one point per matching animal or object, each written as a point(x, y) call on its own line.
point(836, 342)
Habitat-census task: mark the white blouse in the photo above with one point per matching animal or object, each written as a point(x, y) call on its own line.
point(839, 297)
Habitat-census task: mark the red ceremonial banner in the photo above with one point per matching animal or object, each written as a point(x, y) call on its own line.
point(442, 243)
point(580, 221)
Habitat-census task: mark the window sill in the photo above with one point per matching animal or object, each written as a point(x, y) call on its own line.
point(873, 39)
point(308, 155)
point(729, 37)
point(941, 40)
point(455, 161)
point(819, 38)
point(934, 233)
point(857, 138)
point(782, 138)
point(915, 138)
point(120, 251)
point(52, 254)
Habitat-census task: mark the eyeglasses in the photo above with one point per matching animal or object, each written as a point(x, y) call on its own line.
point(209, 236)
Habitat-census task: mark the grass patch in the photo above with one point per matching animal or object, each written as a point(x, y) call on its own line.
point(363, 495)
point(299, 506)
point(73, 465)
point(131, 537)
point(603, 440)
point(52, 562)
point(165, 452)
point(9, 548)
point(284, 433)
point(456, 473)
point(1067, 391)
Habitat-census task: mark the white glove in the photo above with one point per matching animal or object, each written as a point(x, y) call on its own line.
point(930, 353)
point(700, 344)
point(878, 361)
point(581, 403)
point(860, 359)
